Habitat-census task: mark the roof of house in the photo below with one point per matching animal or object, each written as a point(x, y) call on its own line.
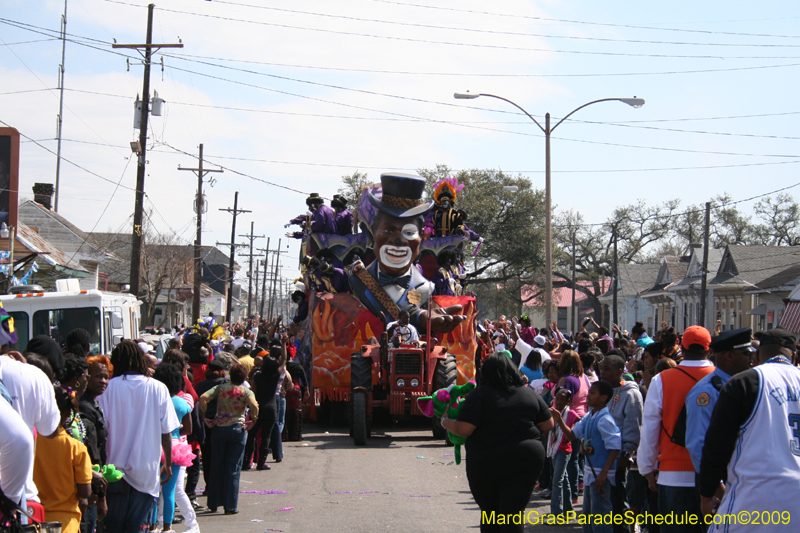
point(59, 231)
point(693, 277)
point(214, 256)
point(672, 271)
point(634, 279)
point(562, 296)
point(48, 252)
point(755, 265)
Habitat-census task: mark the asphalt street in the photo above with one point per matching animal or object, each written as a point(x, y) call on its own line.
point(402, 480)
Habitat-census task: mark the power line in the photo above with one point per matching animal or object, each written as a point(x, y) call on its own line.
point(261, 180)
point(270, 89)
point(496, 32)
point(110, 198)
point(451, 43)
point(29, 27)
point(629, 123)
point(69, 161)
point(568, 21)
point(407, 169)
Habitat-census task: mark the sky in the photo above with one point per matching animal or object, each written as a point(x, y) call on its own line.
point(287, 97)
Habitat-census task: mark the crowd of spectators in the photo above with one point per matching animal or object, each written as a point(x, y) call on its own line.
point(636, 423)
point(115, 443)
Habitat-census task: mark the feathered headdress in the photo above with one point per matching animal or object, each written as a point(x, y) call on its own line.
point(449, 187)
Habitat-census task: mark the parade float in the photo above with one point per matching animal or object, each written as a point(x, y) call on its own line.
point(389, 267)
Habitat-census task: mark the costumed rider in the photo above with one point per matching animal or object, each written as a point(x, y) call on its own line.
point(451, 276)
point(300, 299)
point(401, 332)
point(445, 220)
point(343, 217)
point(323, 275)
point(319, 219)
point(392, 283)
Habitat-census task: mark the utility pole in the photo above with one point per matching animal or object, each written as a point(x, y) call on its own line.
point(198, 260)
point(235, 211)
point(258, 273)
point(277, 262)
point(60, 101)
point(574, 309)
point(703, 288)
point(251, 237)
point(616, 278)
point(264, 280)
point(136, 237)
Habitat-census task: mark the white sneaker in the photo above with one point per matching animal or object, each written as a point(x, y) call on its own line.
point(193, 529)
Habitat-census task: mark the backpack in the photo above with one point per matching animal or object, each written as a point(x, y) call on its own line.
point(679, 431)
point(198, 433)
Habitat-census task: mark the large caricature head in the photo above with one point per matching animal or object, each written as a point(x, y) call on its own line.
point(397, 242)
point(398, 224)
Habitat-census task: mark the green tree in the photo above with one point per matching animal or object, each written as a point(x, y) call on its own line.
point(512, 225)
point(639, 227)
point(352, 187)
point(779, 220)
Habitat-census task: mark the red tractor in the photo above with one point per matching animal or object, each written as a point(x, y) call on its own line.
point(394, 378)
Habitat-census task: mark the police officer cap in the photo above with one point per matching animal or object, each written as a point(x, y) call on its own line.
point(734, 339)
point(779, 337)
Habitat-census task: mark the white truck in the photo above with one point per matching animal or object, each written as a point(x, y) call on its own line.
point(109, 317)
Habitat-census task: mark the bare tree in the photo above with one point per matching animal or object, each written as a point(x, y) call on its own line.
point(167, 264)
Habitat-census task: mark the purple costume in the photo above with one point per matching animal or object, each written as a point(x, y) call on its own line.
point(446, 222)
point(344, 222)
point(322, 221)
point(336, 283)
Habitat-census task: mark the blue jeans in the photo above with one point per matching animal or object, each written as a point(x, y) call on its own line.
point(128, 509)
point(574, 472)
point(276, 442)
point(597, 504)
point(561, 499)
point(679, 500)
point(226, 466)
point(89, 520)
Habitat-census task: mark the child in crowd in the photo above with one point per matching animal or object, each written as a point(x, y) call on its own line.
point(600, 443)
point(62, 470)
point(182, 456)
point(550, 370)
point(559, 449)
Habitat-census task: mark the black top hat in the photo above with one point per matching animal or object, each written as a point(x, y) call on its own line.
point(339, 201)
point(402, 195)
point(314, 198)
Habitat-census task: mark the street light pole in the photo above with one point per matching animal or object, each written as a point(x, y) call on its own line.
point(548, 216)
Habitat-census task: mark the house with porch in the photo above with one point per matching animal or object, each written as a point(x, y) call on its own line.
point(751, 283)
point(665, 302)
point(634, 279)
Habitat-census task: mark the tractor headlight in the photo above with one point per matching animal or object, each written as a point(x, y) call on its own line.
point(400, 383)
point(414, 383)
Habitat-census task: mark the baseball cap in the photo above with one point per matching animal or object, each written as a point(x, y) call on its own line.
point(540, 340)
point(696, 335)
point(778, 337)
point(146, 348)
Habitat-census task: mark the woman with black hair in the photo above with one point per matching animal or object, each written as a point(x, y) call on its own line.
point(172, 376)
point(503, 421)
point(78, 342)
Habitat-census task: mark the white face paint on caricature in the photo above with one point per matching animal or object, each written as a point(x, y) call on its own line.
point(399, 256)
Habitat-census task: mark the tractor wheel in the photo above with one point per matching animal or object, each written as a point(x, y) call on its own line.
point(360, 371)
point(360, 432)
point(444, 375)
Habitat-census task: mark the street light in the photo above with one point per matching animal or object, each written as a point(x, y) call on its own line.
point(548, 216)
